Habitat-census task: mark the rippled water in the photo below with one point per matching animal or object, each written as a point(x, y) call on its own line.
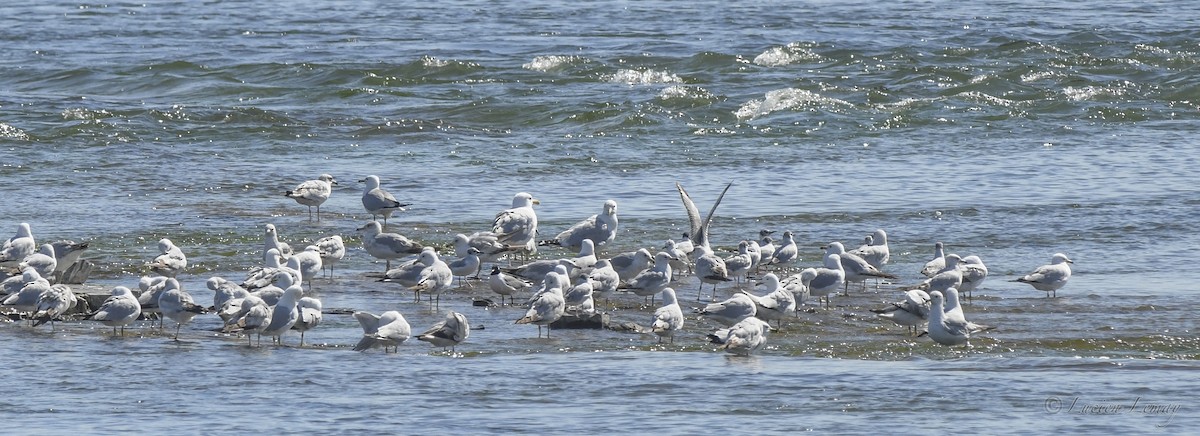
point(1010, 130)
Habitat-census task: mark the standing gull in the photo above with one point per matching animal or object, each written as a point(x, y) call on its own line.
point(313, 193)
point(387, 330)
point(973, 274)
point(271, 242)
point(731, 311)
point(933, 266)
point(386, 246)
point(787, 252)
point(309, 316)
point(332, 249)
point(739, 264)
point(43, 261)
point(505, 284)
point(66, 254)
point(119, 310)
point(942, 330)
point(605, 281)
point(517, 226)
point(308, 263)
point(449, 332)
point(467, 265)
point(54, 303)
point(876, 252)
point(651, 281)
point(710, 269)
point(600, 228)
point(172, 260)
point(489, 246)
point(776, 304)
point(857, 269)
point(378, 201)
point(742, 338)
point(824, 281)
point(911, 312)
point(177, 304)
point(284, 314)
point(668, 319)
point(1050, 277)
point(545, 308)
point(17, 247)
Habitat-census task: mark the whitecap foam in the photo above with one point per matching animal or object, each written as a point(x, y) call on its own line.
point(790, 54)
point(552, 62)
point(647, 77)
point(784, 99)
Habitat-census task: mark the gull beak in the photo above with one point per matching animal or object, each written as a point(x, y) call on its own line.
point(362, 180)
point(536, 201)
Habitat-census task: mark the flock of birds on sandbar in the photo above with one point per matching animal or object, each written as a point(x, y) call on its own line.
point(270, 300)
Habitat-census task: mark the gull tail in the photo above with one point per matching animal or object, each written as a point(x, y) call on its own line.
point(548, 242)
point(366, 343)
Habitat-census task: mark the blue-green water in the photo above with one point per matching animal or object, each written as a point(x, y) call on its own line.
point(1010, 130)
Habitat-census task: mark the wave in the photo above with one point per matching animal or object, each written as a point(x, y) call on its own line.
point(643, 77)
point(793, 53)
point(550, 63)
point(787, 99)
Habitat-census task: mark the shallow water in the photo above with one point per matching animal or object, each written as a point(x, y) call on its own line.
point(1009, 130)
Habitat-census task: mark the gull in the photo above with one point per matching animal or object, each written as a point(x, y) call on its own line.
point(226, 295)
point(937, 263)
point(43, 261)
point(489, 246)
point(66, 254)
point(950, 276)
point(250, 315)
point(261, 276)
point(284, 314)
point(449, 332)
point(505, 284)
point(731, 311)
point(177, 304)
point(53, 303)
point(942, 330)
point(309, 316)
point(586, 258)
point(954, 312)
point(679, 261)
point(739, 264)
point(710, 269)
point(389, 329)
point(332, 250)
point(766, 246)
point(313, 193)
point(742, 338)
point(787, 252)
point(271, 241)
point(546, 308)
point(13, 284)
point(973, 274)
point(827, 280)
point(556, 278)
point(795, 284)
point(668, 319)
point(604, 279)
point(755, 253)
point(699, 227)
point(517, 226)
point(378, 201)
point(466, 266)
point(876, 252)
point(776, 304)
point(435, 278)
point(651, 281)
point(578, 299)
point(911, 312)
point(119, 310)
point(26, 299)
point(629, 264)
point(600, 229)
point(536, 271)
point(386, 246)
point(18, 247)
point(171, 262)
point(308, 262)
point(151, 288)
point(408, 274)
point(1050, 277)
point(857, 269)
point(272, 292)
